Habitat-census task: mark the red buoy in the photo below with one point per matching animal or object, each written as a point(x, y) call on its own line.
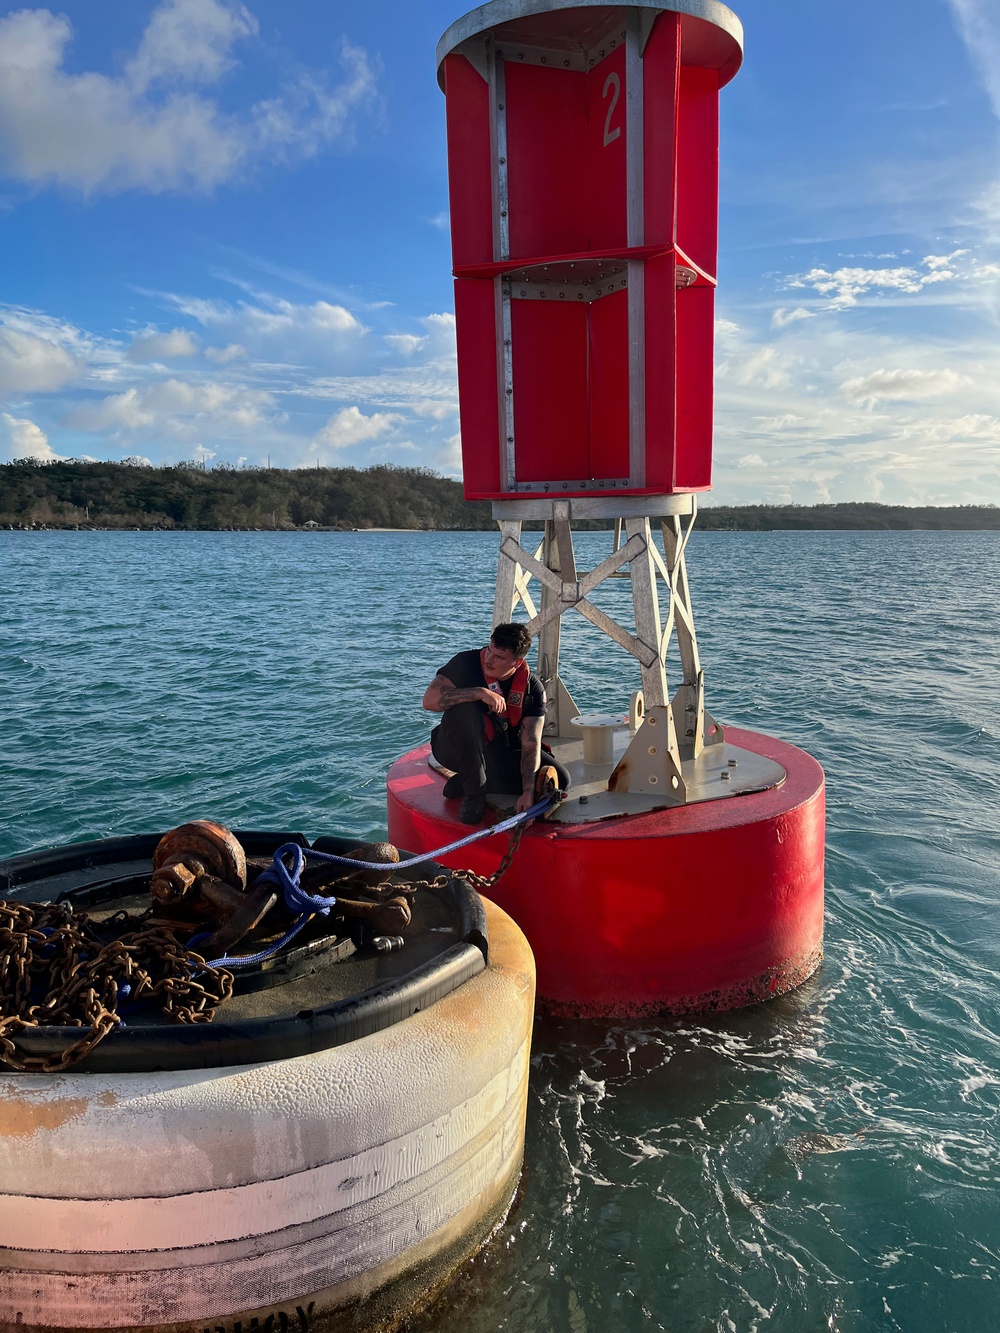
point(713, 905)
point(685, 870)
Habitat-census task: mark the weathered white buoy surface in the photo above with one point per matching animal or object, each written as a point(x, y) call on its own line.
point(332, 1190)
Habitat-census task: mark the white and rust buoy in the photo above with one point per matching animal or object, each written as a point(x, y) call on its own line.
point(322, 1155)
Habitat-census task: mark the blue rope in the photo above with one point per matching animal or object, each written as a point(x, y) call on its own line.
point(504, 826)
point(307, 905)
point(251, 959)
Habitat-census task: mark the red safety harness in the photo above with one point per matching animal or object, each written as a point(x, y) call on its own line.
point(515, 700)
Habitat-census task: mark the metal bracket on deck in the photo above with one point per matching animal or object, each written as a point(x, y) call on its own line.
point(651, 763)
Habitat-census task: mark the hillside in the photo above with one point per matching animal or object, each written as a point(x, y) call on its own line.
point(125, 495)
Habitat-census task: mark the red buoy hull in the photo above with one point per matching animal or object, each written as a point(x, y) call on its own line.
point(715, 905)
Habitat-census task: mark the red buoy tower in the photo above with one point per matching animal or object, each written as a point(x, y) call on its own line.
point(685, 871)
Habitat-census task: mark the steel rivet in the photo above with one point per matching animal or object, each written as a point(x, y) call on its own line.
point(732, 763)
point(652, 749)
point(545, 60)
point(503, 161)
point(651, 720)
point(724, 777)
point(653, 779)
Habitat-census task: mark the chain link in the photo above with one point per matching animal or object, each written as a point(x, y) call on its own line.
point(56, 971)
point(470, 876)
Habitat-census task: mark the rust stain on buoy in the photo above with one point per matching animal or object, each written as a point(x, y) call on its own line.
point(23, 1118)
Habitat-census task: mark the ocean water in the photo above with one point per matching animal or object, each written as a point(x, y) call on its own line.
point(828, 1161)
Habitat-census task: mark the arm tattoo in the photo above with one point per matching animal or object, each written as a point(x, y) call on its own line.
point(531, 750)
point(448, 698)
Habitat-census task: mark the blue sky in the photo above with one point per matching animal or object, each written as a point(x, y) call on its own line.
point(223, 236)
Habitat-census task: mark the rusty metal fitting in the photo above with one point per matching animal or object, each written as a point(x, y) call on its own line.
point(175, 878)
point(387, 918)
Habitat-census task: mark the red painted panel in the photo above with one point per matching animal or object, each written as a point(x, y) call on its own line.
point(475, 313)
point(661, 63)
point(469, 162)
point(698, 167)
point(608, 347)
point(660, 374)
point(547, 160)
point(607, 204)
point(550, 390)
point(695, 387)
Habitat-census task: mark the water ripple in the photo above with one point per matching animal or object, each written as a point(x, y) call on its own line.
point(828, 1161)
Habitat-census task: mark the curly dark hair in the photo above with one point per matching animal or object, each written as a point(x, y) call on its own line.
point(511, 638)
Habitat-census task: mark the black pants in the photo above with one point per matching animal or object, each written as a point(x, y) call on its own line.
point(495, 766)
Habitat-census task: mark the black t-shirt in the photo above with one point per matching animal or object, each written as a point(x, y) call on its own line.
point(465, 671)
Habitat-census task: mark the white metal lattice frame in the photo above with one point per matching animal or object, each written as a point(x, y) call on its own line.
point(565, 588)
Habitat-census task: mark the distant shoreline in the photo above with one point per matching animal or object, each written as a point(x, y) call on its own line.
point(92, 496)
point(445, 532)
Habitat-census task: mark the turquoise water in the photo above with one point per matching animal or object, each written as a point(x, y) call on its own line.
point(826, 1162)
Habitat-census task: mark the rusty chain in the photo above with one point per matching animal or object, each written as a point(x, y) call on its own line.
point(56, 971)
point(471, 877)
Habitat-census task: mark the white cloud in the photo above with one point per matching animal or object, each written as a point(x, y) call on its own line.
point(29, 364)
point(20, 438)
point(869, 411)
point(405, 343)
point(309, 116)
point(449, 460)
point(763, 366)
point(173, 401)
point(189, 41)
point(979, 25)
point(350, 426)
point(750, 460)
point(392, 448)
point(276, 330)
point(902, 385)
point(972, 427)
point(146, 129)
point(176, 345)
point(782, 318)
point(847, 285)
point(222, 356)
point(942, 261)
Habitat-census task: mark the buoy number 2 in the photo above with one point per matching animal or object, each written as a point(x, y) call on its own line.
point(612, 85)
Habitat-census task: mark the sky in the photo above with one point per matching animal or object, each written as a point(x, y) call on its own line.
point(224, 238)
